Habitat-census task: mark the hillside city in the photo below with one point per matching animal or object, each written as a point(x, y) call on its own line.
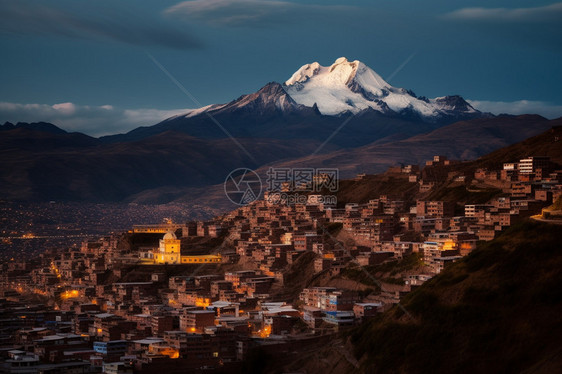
point(280, 187)
point(273, 276)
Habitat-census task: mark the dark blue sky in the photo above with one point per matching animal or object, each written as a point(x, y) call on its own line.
point(84, 66)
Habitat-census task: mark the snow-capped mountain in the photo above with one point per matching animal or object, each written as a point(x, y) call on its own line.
point(351, 86)
point(270, 98)
point(309, 105)
point(344, 87)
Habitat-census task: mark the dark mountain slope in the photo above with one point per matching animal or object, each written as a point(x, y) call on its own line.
point(461, 140)
point(396, 185)
point(46, 165)
point(497, 310)
point(30, 170)
point(40, 137)
point(271, 113)
point(359, 130)
point(37, 126)
point(548, 143)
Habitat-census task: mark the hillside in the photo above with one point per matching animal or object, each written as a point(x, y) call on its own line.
point(42, 162)
point(44, 166)
point(464, 140)
point(497, 310)
point(397, 186)
point(372, 186)
point(548, 143)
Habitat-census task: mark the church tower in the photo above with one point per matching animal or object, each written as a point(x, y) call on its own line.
point(169, 250)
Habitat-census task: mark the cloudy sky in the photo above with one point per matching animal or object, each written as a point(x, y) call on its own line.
point(86, 65)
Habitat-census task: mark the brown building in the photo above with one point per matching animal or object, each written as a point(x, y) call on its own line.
point(435, 208)
point(161, 324)
point(197, 320)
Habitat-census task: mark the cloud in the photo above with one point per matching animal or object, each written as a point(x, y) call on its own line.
point(545, 109)
point(247, 13)
point(91, 120)
point(547, 13)
point(107, 119)
point(92, 21)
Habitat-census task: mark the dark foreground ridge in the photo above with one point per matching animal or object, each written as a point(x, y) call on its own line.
point(497, 310)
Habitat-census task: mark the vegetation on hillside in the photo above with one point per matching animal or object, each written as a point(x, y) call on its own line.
point(461, 193)
point(372, 186)
point(548, 144)
point(497, 310)
point(298, 276)
point(386, 272)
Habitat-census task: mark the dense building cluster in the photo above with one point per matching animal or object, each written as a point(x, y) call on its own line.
point(145, 301)
point(27, 228)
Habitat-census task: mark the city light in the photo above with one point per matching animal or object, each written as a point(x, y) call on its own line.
point(202, 302)
point(69, 294)
point(170, 352)
point(265, 332)
point(449, 245)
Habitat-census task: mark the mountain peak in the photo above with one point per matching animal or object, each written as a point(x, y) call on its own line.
point(351, 86)
point(270, 98)
point(304, 73)
point(34, 126)
point(341, 72)
point(343, 86)
point(272, 88)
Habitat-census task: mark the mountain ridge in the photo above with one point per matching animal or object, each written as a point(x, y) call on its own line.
point(36, 126)
point(463, 140)
point(353, 86)
point(195, 149)
point(506, 293)
point(42, 166)
point(312, 104)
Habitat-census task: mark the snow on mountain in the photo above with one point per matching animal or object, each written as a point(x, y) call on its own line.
point(203, 109)
point(272, 96)
point(352, 86)
point(345, 86)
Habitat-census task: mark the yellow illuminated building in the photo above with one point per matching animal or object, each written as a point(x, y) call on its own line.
point(169, 252)
point(156, 229)
point(201, 259)
point(449, 245)
point(69, 294)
